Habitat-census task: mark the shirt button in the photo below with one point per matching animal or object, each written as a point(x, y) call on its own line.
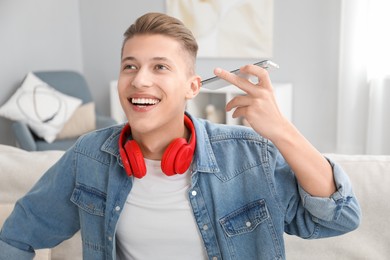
point(205, 227)
point(193, 193)
point(248, 224)
point(110, 238)
point(215, 258)
point(117, 208)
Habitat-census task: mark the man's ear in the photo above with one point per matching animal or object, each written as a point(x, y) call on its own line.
point(195, 86)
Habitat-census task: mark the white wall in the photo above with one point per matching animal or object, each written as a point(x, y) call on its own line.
point(306, 38)
point(102, 26)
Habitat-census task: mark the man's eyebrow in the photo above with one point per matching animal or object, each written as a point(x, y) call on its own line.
point(160, 59)
point(131, 58)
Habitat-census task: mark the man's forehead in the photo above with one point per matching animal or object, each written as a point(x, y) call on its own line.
point(151, 39)
point(153, 47)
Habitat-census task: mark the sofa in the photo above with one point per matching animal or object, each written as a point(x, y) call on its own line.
point(370, 176)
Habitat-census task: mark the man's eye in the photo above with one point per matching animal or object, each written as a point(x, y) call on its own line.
point(129, 67)
point(161, 67)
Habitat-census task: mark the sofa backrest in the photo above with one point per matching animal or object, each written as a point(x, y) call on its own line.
point(69, 82)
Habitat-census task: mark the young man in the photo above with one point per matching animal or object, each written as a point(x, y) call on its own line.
point(170, 186)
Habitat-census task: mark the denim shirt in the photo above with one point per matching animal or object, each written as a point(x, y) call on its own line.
point(243, 195)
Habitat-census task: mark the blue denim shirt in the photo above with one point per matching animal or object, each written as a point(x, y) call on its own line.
point(243, 195)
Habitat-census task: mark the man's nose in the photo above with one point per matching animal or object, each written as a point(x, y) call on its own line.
point(143, 78)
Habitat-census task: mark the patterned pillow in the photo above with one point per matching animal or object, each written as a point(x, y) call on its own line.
point(42, 107)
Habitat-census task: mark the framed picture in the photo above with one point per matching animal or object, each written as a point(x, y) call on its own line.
point(228, 28)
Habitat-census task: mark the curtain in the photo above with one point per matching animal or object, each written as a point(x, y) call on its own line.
point(378, 124)
point(363, 90)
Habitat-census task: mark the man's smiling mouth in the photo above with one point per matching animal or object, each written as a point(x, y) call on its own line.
point(142, 102)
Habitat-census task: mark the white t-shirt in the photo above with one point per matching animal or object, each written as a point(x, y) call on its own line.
point(157, 220)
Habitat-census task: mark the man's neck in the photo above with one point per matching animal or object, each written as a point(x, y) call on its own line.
point(155, 143)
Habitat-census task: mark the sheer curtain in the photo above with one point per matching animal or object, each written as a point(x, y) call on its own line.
point(364, 81)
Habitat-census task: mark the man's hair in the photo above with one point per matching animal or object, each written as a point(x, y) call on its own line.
point(159, 23)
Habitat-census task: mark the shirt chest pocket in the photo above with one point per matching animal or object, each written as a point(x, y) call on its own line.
point(89, 199)
point(245, 219)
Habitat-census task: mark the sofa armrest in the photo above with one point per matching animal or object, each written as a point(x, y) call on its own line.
point(24, 137)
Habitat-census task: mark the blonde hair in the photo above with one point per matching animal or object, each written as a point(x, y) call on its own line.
point(159, 23)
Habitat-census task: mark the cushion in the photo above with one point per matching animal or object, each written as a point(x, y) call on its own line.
point(43, 108)
point(82, 121)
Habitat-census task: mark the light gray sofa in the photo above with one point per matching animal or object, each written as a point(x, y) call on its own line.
point(370, 176)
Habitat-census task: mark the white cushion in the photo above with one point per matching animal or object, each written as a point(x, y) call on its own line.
point(43, 108)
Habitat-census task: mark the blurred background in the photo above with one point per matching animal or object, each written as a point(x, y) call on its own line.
point(334, 53)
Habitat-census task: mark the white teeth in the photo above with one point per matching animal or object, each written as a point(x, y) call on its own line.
point(144, 101)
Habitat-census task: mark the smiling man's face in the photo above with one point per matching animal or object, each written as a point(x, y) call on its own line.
point(154, 83)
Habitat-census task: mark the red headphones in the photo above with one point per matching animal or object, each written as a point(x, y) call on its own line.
point(176, 158)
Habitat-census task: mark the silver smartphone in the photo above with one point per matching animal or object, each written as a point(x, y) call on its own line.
point(217, 83)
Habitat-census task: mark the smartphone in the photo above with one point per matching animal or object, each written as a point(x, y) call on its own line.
point(217, 83)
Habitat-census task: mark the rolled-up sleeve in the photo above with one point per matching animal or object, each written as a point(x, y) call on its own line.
point(340, 211)
point(8, 252)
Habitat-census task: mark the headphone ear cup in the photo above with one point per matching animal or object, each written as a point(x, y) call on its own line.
point(183, 159)
point(135, 159)
point(125, 161)
point(177, 157)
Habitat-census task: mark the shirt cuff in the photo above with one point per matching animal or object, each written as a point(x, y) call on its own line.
point(10, 252)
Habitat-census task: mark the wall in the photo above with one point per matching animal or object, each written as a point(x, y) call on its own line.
point(102, 26)
point(306, 39)
point(35, 35)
